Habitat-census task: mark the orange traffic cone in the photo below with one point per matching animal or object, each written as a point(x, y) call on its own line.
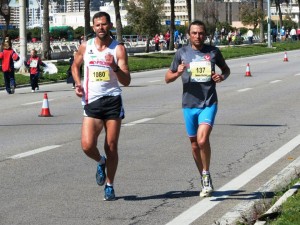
point(45, 108)
point(285, 59)
point(248, 73)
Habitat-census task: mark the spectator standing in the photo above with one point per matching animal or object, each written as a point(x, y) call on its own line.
point(176, 38)
point(161, 41)
point(250, 36)
point(8, 56)
point(223, 32)
point(167, 39)
point(195, 64)
point(287, 34)
point(282, 34)
point(274, 34)
point(293, 34)
point(229, 37)
point(216, 36)
point(34, 64)
point(156, 42)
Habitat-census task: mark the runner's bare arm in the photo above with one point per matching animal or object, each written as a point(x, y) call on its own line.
point(78, 60)
point(121, 68)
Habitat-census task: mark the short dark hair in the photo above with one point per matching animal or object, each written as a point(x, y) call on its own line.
point(197, 23)
point(101, 14)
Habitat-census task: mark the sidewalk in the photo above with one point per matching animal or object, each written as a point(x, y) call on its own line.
point(247, 212)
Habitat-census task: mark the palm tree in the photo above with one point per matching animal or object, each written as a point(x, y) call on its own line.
point(189, 9)
point(5, 12)
point(118, 20)
point(172, 25)
point(278, 9)
point(260, 9)
point(46, 34)
point(298, 13)
point(87, 18)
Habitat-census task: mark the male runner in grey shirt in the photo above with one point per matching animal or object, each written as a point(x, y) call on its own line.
point(195, 64)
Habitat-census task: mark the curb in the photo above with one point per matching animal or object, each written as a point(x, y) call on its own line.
point(247, 212)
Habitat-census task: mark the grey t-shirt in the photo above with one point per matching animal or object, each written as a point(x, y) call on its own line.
point(199, 90)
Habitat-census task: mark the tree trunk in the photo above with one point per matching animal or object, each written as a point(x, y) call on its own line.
point(189, 9)
point(46, 54)
point(118, 20)
point(260, 7)
point(299, 13)
point(87, 19)
point(147, 49)
point(172, 25)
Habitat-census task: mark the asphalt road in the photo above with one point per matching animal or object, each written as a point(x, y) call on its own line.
point(45, 178)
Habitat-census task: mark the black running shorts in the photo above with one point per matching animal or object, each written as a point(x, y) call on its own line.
point(107, 107)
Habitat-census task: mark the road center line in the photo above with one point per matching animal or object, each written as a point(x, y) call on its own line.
point(206, 204)
point(275, 81)
point(137, 122)
point(152, 81)
point(245, 89)
point(33, 152)
point(38, 102)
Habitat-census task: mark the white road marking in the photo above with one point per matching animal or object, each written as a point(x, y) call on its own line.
point(245, 89)
point(298, 74)
point(275, 81)
point(152, 81)
point(38, 102)
point(33, 152)
point(206, 204)
point(137, 122)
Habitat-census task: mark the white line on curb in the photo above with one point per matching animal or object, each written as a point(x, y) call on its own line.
point(206, 204)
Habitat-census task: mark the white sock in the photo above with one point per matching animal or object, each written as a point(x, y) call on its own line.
point(204, 172)
point(108, 184)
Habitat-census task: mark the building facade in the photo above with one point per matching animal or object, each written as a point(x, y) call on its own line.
point(71, 13)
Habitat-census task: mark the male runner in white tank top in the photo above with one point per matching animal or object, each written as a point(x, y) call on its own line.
point(105, 65)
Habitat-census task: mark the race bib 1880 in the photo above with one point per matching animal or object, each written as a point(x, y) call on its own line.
point(98, 73)
point(200, 71)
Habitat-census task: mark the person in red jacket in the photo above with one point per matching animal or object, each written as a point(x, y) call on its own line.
point(8, 56)
point(34, 64)
point(156, 42)
point(167, 38)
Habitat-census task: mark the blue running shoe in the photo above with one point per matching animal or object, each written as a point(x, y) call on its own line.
point(100, 174)
point(109, 193)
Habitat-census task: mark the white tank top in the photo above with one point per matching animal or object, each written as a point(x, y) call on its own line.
point(99, 79)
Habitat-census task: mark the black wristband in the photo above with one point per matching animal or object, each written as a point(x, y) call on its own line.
point(117, 69)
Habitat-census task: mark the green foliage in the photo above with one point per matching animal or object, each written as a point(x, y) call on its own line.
point(238, 40)
point(65, 32)
point(250, 15)
point(145, 16)
point(34, 33)
point(182, 29)
point(78, 32)
point(128, 30)
point(13, 33)
point(243, 30)
point(145, 62)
